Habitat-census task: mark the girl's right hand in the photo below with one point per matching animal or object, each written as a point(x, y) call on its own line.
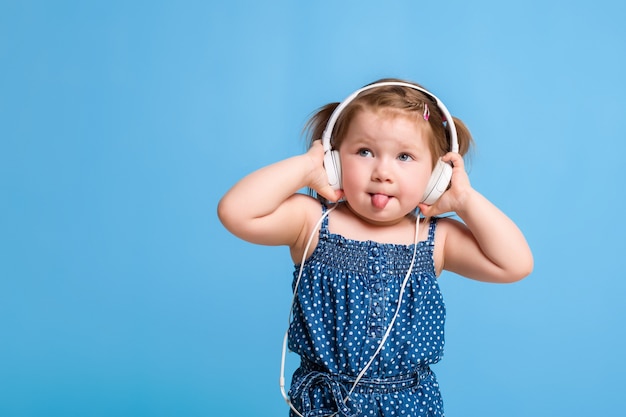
point(265, 206)
point(318, 178)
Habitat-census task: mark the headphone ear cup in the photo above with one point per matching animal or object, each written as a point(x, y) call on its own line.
point(438, 182)
point(332, 164)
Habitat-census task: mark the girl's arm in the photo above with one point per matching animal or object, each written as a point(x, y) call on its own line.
point(264, 207)
point(488, 246)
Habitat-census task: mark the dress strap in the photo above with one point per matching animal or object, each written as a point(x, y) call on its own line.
point(324, 226)
point(431, 229)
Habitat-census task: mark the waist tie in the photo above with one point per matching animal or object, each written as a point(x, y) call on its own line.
point(311, 377)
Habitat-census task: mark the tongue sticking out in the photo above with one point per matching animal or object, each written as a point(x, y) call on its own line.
point(380, 200)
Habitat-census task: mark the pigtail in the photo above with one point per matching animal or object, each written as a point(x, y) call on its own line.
point(314, 127)
point(466, 142)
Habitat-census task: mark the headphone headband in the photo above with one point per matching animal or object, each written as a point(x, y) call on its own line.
point(454, 143)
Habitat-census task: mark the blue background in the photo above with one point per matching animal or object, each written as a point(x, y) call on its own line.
point(123, 123)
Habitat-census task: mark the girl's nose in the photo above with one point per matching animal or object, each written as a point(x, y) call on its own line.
point(382, 171)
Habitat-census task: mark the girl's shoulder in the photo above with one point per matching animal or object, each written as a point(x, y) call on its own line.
point(306, 204)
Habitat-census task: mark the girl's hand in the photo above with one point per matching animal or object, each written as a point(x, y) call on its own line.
point(485, 245)
point(454, 198)
point(318, 179)
point(265, 207)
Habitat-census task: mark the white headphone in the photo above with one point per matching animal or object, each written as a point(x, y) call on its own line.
point(442, 172)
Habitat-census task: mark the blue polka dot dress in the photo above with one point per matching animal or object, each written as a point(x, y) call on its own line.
point(346, 298)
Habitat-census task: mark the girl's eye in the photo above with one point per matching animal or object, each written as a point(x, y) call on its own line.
point(405, 157)
point(365, 152)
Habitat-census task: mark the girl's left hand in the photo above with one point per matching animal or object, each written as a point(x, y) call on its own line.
point(452, 200)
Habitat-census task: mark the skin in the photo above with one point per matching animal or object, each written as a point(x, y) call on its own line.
point(386, 165)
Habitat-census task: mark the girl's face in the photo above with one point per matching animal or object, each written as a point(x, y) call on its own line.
point(386, 164)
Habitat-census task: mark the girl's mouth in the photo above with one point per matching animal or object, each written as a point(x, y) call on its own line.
point(380, 200)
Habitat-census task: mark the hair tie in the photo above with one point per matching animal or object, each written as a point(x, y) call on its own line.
point(426, 114)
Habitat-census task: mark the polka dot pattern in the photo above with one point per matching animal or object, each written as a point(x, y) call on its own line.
point(346, 298)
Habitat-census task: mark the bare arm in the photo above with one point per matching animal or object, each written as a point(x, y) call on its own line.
point(264, 208)
point(488, 246)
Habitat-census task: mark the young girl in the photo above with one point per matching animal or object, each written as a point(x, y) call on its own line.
point(368, 316)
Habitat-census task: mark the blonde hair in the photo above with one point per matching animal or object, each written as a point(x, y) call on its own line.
point(396, 98)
